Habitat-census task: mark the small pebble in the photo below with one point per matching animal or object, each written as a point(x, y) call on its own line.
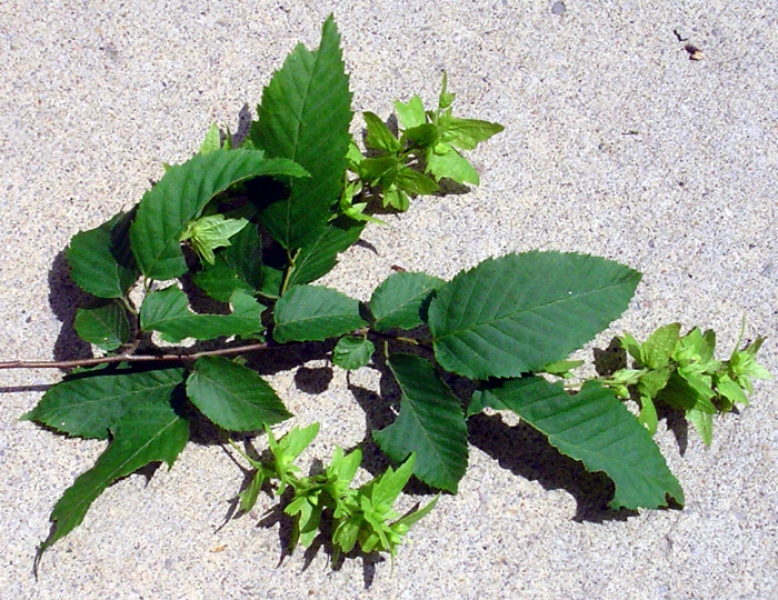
point(558, 8)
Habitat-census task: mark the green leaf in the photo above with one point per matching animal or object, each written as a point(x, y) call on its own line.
point(446, 98)
point(411, 114)
point(212, 141)
point(107, 326)
point(379, 137)
point(88, 404)
point(430, 423)
point(315, 313)
point(517, 313)
point(657, 350)
point(94, 265)
point(703, 423)
point(220, 280)
point(466, 134)
point(167, 311)
point(180, 196)
point(594, 427)
point(305, 116)
point(446, 162)
point(413, 182)
point(237, 267)
point(352, 352)
point(206, 234)
point(233, 396)
point(320, 255)
point(148, 433)
point(401, 300)
point(561, 368)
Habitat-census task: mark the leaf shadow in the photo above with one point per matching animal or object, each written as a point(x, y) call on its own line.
point(65, 297)
point(526, 452)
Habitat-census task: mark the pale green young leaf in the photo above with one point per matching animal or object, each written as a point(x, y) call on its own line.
point(341, 470)
point(446, 162)
point(415, 183)
point(404, 523)
point(430, 423)
point(167, 311)
point(648, 417)
point(206, 234)
point(402, 299)
point(396, 198)
point(466, 134)
point(181, 195)
point(150, 432)
point(657, 350)
point(305, 116)
point(594, 427)
point(387, 488)
point(561, 368)
point(378, 135)
point(315, 313)
point(446, 98)
point(248, 497)
point(352, 352)
point(411, 114)
point(212, 141)
point(96, 263)
point(233, 396)
point(106, 326)
point(743, 366)
point(87, 405)
point(730, 393)
point(287, 449)
point(500, 319)
point(703, 423)
point(631, 345)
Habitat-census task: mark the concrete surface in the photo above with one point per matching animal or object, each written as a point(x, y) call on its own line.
point(615, 143)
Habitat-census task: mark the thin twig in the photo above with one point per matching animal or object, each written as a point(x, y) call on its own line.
point(90, 362)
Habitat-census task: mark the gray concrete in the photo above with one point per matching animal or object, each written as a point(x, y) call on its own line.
point(615, 144)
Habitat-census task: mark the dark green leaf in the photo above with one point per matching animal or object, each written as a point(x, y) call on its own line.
point(315, 313)
point(401, 300)
point(305, 116)
point(148, 433)
point(220, 280)
point(93, 264)
point(233, 396)
point(167, 311)
point(88, 405)
point(593, 426)
point(320, 255)
point(180, 196)
point(352, 352)
point(237, 267)
point(517, 313)
point(107, 326)
point(430, 423)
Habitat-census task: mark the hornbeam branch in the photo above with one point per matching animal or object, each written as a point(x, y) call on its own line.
point(91, 362)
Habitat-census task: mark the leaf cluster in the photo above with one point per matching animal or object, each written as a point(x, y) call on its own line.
point(252, 225)
point(363, 515)
point(680, 372)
